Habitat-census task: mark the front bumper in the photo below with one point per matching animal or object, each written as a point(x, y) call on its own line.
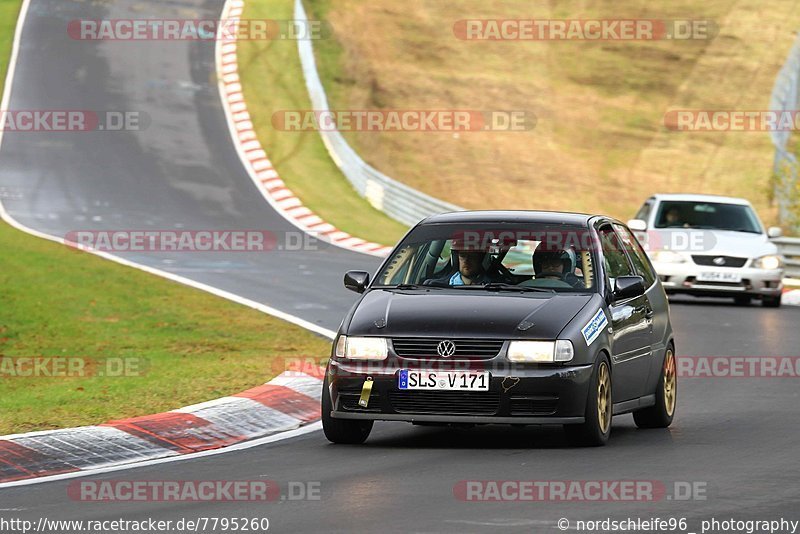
point(683, 278)
point(522, 394)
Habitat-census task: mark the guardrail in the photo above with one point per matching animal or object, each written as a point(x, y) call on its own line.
point(409, 206)
point(395, 199)
point(786, 97)
point(789, 247)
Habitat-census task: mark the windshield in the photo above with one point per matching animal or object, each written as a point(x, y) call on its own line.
point(533, 258)
point(707, 215)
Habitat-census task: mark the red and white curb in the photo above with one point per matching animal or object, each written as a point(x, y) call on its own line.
point(285, 407)
point(288, 402)
point(791, 294)
point(255, 159)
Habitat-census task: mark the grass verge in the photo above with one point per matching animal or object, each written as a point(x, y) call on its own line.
point(172, 345)
point(166, 345)
point(9, 11)
point(272, 81)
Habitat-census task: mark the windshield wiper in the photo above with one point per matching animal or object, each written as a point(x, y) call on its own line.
point(502, 286)
point(415, 286)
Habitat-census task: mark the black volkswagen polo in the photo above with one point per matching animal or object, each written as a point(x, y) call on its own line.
point(505, 317)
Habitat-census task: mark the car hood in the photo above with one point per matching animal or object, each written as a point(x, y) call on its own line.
point(717, 243)
point(464, 313)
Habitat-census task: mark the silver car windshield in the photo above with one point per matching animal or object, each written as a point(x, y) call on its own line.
point(707, 216)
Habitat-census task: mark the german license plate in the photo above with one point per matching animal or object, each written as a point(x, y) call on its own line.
point(719, 276)
point(444, 380)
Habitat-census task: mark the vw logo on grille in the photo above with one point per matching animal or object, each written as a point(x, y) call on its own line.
point(446, 348)
point(719, 261)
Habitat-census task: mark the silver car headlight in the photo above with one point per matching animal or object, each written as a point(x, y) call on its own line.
point(667, 256)
point(541, 351)
point(361, 348)
point(769, 262)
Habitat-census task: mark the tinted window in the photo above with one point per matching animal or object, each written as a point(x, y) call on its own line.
point(616, 262)
point(639, 259)
point(707, 215)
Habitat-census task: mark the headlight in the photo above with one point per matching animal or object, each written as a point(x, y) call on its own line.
point(540, 351)
point(770, 262)
point(361, 348)
point(667, 256)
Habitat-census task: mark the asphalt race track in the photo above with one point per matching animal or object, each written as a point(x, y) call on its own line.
point(737, 439)
point(180, 172)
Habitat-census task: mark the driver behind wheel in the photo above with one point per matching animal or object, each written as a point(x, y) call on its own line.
point(471, 270)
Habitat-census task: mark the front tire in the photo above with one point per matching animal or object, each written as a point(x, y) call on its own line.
point(596, 429)
point(343, 431)
point(771, 302)
point(661, 415)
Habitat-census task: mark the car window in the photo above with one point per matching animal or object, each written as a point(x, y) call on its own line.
point(502, 254)
point(637, 256)
point(518, 259)
point(614, 257)
point(707, 216)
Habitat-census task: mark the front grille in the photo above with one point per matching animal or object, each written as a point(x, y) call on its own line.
point(445, 402)
point(539, 405)
point(730, 261)
point(420, 347)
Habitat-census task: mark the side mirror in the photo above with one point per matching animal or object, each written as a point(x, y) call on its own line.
point(637, 225)
point(627, 287)
point(774, 231)
point(356, 281)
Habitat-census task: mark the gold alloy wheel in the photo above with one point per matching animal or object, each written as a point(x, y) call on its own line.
point(670, 383)
point(603, 397)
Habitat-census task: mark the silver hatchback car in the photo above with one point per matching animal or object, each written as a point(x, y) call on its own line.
point(711, 246)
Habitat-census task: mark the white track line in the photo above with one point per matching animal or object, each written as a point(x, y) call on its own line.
point(312, 427)
point(4, 104)
point(152, 270)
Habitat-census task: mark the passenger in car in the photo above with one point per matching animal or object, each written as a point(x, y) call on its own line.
point(553, 267)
